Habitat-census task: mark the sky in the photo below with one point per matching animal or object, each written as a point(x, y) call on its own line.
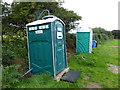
point(95, 13)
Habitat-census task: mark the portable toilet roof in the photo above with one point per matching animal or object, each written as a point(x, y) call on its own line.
point(84, 29)
point(52, 19)
point(84, 40)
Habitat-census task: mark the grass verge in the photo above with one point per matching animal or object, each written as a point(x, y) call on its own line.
point(93, 65)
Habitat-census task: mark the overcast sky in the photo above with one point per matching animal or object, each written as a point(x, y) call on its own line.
point(95, 13)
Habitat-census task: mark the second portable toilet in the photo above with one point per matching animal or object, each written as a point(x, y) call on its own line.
point(47, 45)
point(84, 40)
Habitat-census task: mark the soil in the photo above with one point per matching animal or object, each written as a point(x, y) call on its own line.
point(115, 46)
point(113, 68)
point(86, 77)
point(93, 85)
point(70, 52)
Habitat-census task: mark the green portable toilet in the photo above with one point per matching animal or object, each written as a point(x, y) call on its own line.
point(84, 40)
point(47, 45)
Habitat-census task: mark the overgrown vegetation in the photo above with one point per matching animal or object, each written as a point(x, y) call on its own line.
point(15, 53)
point(101, 35)
point(116, 34)
point(10, 76)
point(71, 42)
point(93, 65)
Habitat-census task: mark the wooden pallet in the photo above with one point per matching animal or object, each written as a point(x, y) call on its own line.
point(61, 73)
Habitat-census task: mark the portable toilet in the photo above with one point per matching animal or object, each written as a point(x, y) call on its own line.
point(47, 45)
point(84, 40)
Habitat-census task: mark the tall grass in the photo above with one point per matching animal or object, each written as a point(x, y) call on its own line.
point(93, 65)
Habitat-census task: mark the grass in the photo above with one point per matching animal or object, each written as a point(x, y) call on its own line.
point(93, 65)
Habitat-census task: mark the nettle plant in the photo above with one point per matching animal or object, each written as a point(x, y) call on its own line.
point(10, 76)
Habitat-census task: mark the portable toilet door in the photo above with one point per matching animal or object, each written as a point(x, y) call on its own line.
point(47, 45)
point(84, 40)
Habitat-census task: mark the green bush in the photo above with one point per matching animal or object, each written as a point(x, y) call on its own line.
point(95, 37)
point(101, 37)
point(13, 50)
point(116, 34)
point(7, 56)
point(10, 75)
point(71, 41)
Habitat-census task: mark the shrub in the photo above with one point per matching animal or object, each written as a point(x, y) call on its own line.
point(71, 41)
point(101, 37)
point(7, 56)
point(12, 51)
point(10, 75)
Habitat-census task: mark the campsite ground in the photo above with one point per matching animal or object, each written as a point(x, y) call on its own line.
point(95, 67)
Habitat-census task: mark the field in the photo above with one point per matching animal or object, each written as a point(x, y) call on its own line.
point(94, 66)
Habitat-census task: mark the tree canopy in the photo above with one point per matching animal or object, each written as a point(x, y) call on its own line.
point(24, 12)
point(100, 34)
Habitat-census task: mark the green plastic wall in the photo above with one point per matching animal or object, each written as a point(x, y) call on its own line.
point(60, 49)
point(82, 42)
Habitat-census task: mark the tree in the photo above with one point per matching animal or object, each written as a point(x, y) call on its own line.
point(25, 12)
point(101, 34)
point(98, 30)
